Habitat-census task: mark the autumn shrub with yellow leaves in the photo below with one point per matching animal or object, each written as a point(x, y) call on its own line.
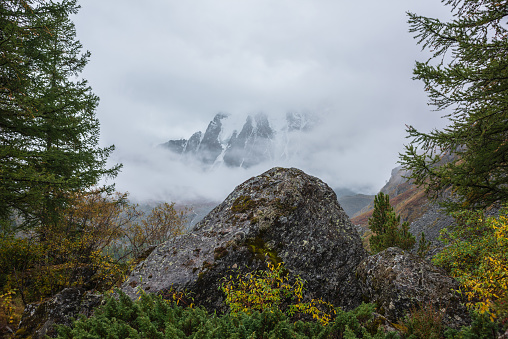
point(269, 290)
point(477, 256)
point(7, 307)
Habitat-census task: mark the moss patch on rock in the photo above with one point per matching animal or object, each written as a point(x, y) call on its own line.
point(257, 246)
point(243, 204)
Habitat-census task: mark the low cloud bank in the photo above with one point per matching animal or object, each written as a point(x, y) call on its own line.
point(331, 151)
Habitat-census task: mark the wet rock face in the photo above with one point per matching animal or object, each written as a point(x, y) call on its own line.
point(39, 319)
point(283, 214)
point(397, 281)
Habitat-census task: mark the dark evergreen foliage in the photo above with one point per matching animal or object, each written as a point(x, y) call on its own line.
point(388, 231)
point(469, 76)
point(153, 317)
point(48, 129)
point(423, 246)
point(482, 327)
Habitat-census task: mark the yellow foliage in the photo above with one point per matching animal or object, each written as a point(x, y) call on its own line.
point(181, 298)
point(490, 282)
point(6, 306)
point(478, 258)
point(92, 243)
point(268, 290)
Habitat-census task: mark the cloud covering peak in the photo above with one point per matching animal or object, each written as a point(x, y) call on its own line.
point(163, 69)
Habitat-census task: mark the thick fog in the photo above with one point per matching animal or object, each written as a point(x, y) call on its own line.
point(163, 69)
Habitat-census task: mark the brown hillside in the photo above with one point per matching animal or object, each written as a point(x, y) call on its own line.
point(408, 200)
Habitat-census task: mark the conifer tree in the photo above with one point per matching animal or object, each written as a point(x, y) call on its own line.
point(467, 74)
point(423, 246)
point(386, 226)
point(48, 128)
point(16, 34)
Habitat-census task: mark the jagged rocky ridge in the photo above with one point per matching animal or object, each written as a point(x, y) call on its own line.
point(257, 141)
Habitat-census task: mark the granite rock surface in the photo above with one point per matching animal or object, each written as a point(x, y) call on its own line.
point(39, 319)
point(398, 281)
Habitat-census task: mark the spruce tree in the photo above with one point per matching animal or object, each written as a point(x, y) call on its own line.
point(467, 74)
point(16, 33)
point(381, 215)
point(49, 130)
point(386, 226)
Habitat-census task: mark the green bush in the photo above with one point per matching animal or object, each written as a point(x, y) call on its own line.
point(424, 322)
point(153, 317)
point(482, 327)
point(387, 227)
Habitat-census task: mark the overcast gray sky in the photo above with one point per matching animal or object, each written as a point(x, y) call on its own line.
point(164, 68)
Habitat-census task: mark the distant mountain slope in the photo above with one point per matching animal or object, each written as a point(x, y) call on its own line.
point(408, 200)
point(352, 204)
point(412, 204)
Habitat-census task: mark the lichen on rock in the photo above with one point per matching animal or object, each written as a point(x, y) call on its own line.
point(397, 281)
point(39, 319)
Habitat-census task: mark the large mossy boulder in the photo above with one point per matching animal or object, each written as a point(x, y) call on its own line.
point(398, 282)
point(284, 215)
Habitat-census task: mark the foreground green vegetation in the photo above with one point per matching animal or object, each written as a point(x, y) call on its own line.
point(152, 317)
point(258, 310)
